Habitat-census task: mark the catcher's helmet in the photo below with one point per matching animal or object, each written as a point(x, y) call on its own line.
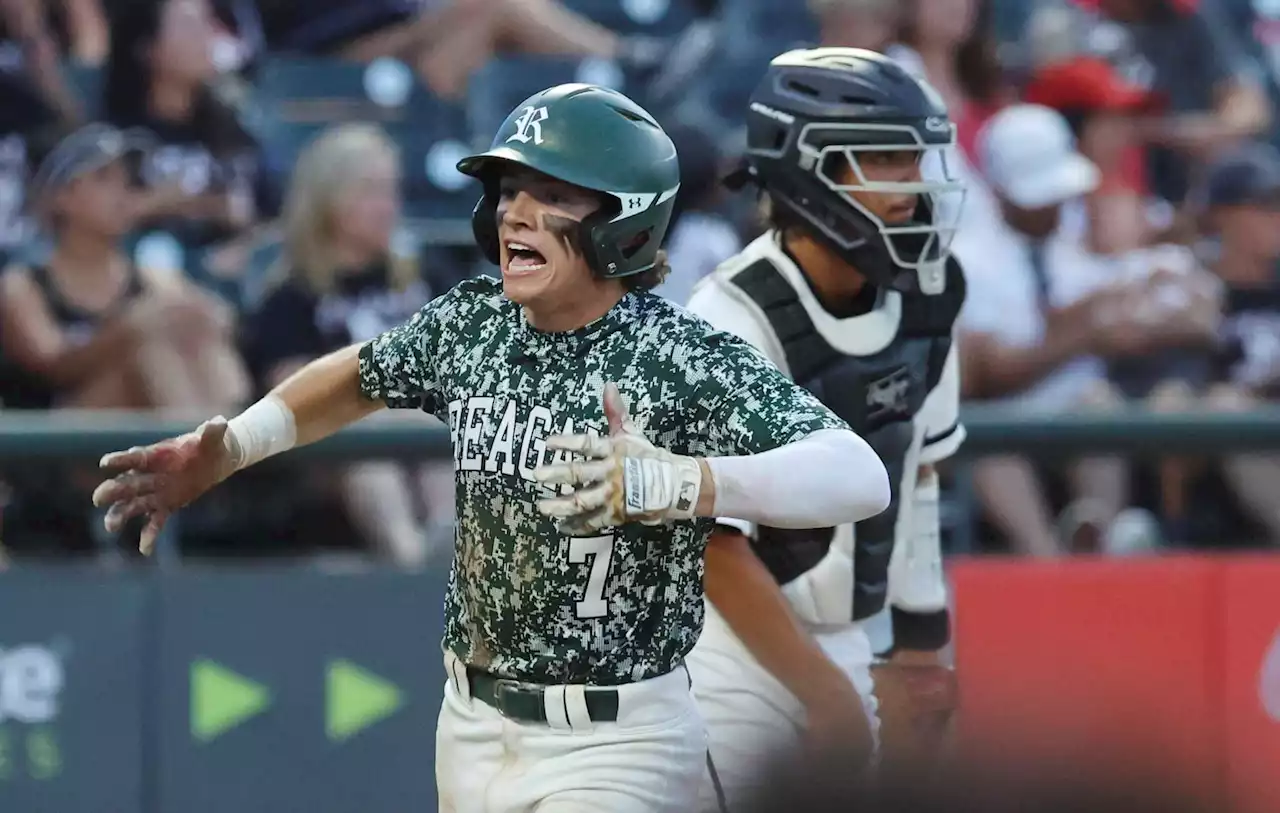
point(818, 107)
point(598, 139)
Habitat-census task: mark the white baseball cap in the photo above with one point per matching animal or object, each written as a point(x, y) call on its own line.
point(1029, 156)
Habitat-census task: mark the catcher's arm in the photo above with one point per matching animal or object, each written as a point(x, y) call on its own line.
point(917, 690)
point(917, 588)
point(744, 592)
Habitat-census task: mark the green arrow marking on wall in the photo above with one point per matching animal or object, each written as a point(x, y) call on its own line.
point(356, 699)
point(222, 700)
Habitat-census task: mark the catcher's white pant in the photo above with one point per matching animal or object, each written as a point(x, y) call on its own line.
point(751, 718)
point(652, 760)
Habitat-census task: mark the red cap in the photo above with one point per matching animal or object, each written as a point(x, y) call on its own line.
point(1087, 83)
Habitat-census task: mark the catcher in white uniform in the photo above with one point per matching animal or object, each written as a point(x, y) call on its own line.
point(852, 294)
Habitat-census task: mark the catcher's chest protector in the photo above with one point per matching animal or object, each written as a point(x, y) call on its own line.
point(876, 394)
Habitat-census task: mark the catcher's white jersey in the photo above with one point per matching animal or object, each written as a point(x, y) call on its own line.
point(823, 595)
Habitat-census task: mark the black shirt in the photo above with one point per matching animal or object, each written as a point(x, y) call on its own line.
point(25, 390)
point(208, 154)
point(293, 323)
point(1249, 342)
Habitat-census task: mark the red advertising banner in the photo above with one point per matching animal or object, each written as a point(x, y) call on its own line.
point(1250, 651)
point(1168, 665)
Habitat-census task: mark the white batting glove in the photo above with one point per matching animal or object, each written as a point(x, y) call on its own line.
point(625, 478)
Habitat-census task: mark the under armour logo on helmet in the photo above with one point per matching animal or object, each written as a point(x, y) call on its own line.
point(634, 204)
point(529, 126)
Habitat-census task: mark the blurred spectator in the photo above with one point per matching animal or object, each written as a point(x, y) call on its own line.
point(870, 24)
point(29, 46)
point(1104, 112)
point(339, 283)
point(208, 178)
point(33, 97)
point(446, 41)
point(1257, 25)
point(1035, 323)
point(951, 44)
point(89, 330)
point(1216, 91)
point(23, 114)
point(70, 321)
point(1240, 205)
point(700, 237)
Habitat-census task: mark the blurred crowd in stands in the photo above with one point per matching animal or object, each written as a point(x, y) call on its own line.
point(198, 196)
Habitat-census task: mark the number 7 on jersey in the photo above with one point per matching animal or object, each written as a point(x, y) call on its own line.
point(598, 550)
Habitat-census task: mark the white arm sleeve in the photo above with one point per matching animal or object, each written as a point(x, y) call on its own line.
point(828, 478)
point(727, 310)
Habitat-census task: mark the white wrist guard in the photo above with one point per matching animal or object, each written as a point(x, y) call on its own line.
point(267, 428)
point(661, 487)
point(916, 580)
point(625, 478)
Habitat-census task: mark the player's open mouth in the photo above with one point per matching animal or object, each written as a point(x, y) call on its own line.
point(523, 259)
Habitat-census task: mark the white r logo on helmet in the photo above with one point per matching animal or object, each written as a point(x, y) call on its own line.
point(529, 126)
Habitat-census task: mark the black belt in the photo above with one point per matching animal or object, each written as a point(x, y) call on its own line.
point(526, 703)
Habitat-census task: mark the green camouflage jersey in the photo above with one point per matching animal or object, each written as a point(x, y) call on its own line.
point(525, 602)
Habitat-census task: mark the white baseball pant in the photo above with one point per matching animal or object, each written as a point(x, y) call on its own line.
point(651, 760)
point(750, 717)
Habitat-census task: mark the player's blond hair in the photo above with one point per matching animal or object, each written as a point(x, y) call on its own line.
point(326, 168)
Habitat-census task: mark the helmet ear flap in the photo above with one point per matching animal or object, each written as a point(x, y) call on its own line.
point(484, 225)
point(590, 234)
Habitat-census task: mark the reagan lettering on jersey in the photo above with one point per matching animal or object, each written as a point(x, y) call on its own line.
point(525, 601)
point(505, 436)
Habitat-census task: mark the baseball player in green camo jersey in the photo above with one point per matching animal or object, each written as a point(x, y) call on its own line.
point(597, 430)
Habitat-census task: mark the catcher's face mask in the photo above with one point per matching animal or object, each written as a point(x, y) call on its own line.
point(904, 186)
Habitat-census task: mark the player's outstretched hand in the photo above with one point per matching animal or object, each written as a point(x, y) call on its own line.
point(156, 480)
point(623, 478)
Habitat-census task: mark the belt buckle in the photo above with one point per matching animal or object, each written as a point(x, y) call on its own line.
point(504, 688)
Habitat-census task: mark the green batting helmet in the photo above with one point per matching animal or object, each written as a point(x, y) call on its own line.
point(597, 139)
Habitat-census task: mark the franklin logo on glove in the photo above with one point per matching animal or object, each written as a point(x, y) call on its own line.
point(633, 477)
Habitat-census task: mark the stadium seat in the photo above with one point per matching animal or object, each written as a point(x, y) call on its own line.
point(770, 22)
point(298, 98)
point(655, 17)
point(434, 189)
point(305, 95)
